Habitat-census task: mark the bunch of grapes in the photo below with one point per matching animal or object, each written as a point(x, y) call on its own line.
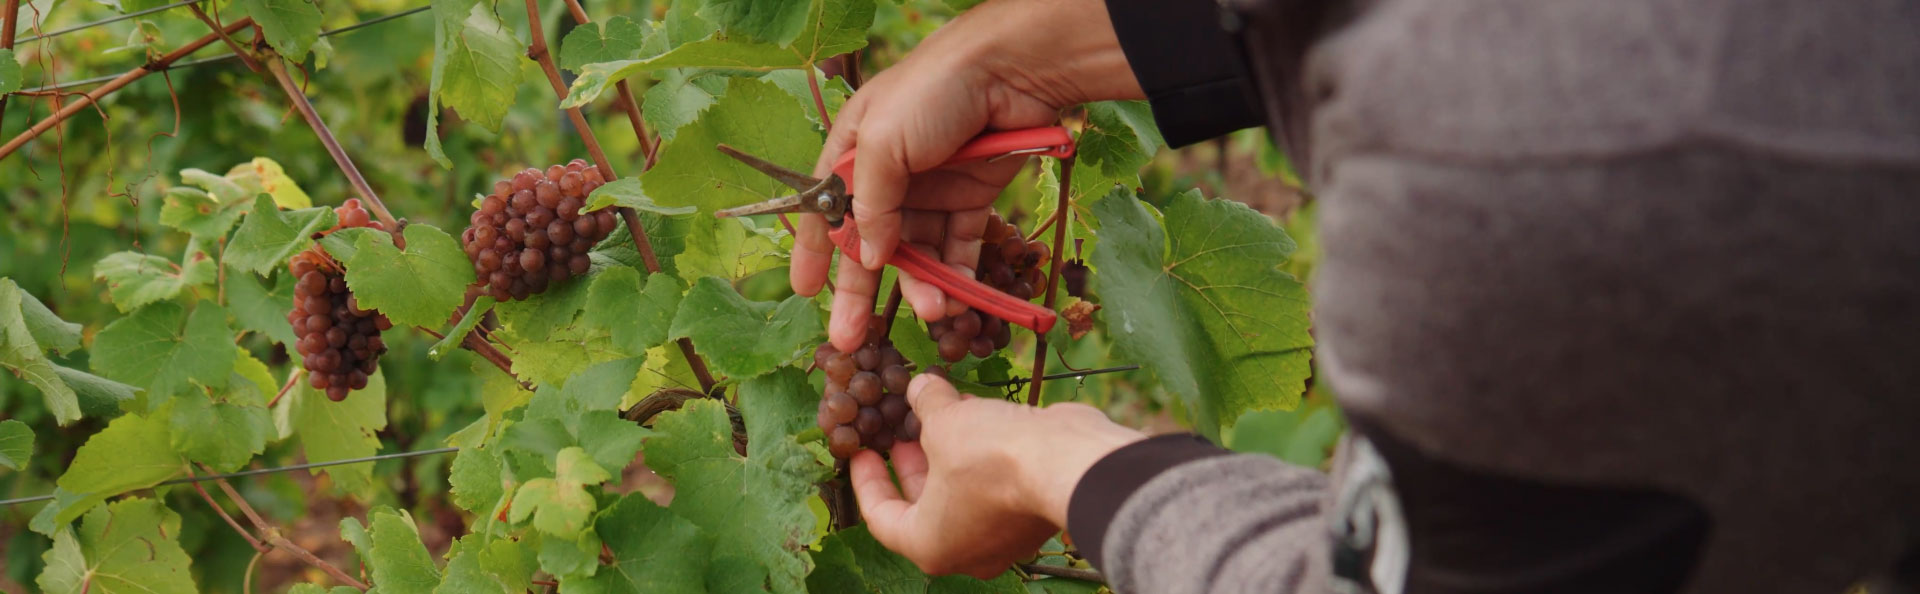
point(530, 233)
point(339, 343)
point(866, 398)
point(1009, 263)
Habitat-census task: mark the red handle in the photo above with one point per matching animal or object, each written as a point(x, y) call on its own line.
point(971, 292)
point(1051, 141)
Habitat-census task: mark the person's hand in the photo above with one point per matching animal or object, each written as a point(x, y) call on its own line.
point(1005, 64)
point(988, 482)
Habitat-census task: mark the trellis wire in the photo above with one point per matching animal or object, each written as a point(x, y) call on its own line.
point(107, 21)
point(210, 477)
point(1065, 375)
point(225, 57)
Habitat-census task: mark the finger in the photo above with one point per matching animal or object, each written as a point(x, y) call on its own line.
point(910, 464)
point(845, 133)
point(812, 255)
point(880, 181)
point(961, 249)
point(852, 305)
point(888, 515)
point(928, 394)
point(922, 231)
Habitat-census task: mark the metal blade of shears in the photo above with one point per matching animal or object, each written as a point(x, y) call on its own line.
point(793, 179)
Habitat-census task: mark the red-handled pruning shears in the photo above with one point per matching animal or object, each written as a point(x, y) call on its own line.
point(833, 197)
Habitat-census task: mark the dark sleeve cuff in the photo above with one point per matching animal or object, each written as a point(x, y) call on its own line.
point(1108, 484)
point(1190, 67)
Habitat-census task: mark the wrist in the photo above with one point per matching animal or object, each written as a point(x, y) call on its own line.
point(1062, 52)
point(1077, 437)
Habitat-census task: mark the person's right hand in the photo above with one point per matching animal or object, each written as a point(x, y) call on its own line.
point(987, 483)
point(1005, 64)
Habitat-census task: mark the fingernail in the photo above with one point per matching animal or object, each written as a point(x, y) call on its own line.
point(870, 255)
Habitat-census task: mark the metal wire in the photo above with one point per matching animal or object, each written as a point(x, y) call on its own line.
point(1069, 374)
point(107, 21)
point(210, 477)
point(225, 57)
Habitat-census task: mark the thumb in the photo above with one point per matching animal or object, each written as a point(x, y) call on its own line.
point(929, 393)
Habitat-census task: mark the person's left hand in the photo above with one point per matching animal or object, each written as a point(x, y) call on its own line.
point(987, 483)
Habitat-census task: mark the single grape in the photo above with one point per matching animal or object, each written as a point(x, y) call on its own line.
point(336, 393)
point(868, 357)
point(869, 421)
point(841, 407)
point(953, 347)
point(532, 260)
point(893, 408)
point(865, 387)
point(967, 323)
point(882, 441)
point(981, 347)
point(895, 378)
point(908, 429)
point(840, 366)
point(843, 442)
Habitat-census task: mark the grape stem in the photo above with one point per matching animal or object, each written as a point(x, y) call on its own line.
point(1053, 279)
point(293, 379)
point(93, 97)
point(819, 103)
point(627, 101)
point(11, 15)
point(270, 535)
point(480, 346)
point(537, 50)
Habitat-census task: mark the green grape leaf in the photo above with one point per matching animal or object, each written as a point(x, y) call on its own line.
point(562, 355)
point(654, 550)
point(560, 505)
point(162, 348)
point(476, 565)
point(852, 561)
point(667, 367)
point(355, 533)
point(48, 331)
point(617, 38)
point(755, 506)
point(331, 430)
point(637, 317)
point(832, 27)
point(755, 117)
point(129, 547)
point(477, 63)
point(596, 389)
point(257, 308)
point(420, 286)
point(772, 21)
point(99, 396)
point(292, 26)
point(10, 76)
point(777, 406)
point(133, 452)
point(476, 479)
point(626, 192)
point(730, 249)
point(742, 338)
point(16, 444)
point(398, 558)
point(833, 91)
point(1120, 137)
point(537, 318)
point(268, 238)
point(1202, 302)
point(266, 176)
point(135, 279)
point(238, 416)
point(450, 342)
point(679, 97)
point(25, 324)
point(224, 190)
point(1305, 436)
point(195, 211)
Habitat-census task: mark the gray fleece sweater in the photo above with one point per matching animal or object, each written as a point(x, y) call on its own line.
point(1620, 296)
